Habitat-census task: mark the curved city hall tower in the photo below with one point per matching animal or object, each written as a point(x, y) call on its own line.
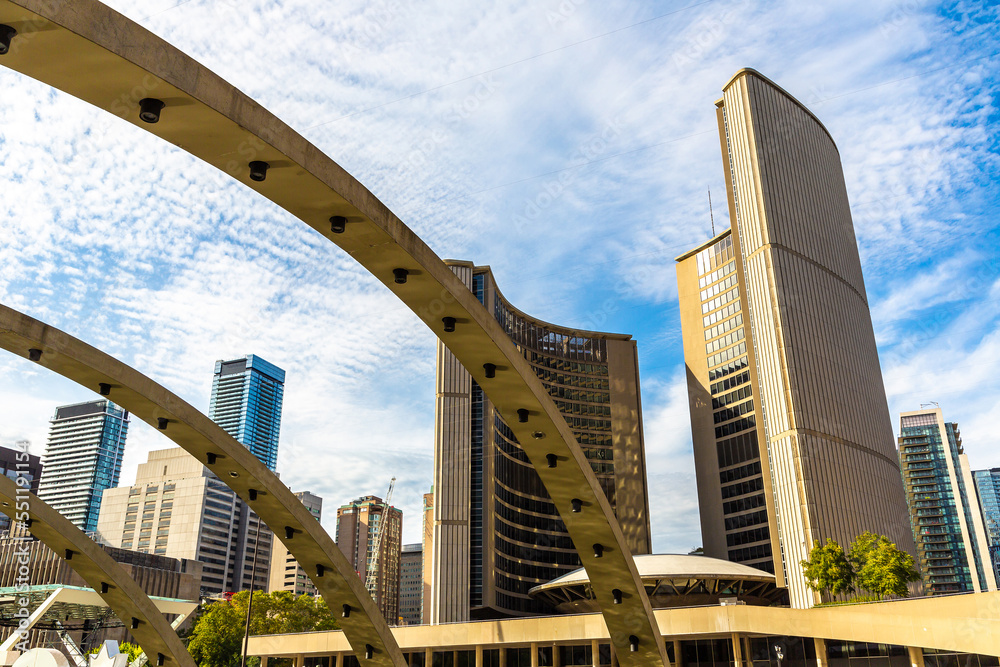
point(792, 436)
point(496, 533)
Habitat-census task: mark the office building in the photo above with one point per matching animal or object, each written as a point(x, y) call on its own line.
point(952, 548)
point(179, 509)
point(988, 489)
point(496, 534)
point(83, 457)
point(411, 584)
point(18, 463)
point(286, 573)
point(246, 401)
point(358, 524)
point(792, 436)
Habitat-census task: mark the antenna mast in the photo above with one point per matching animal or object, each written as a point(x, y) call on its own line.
point(710, 213)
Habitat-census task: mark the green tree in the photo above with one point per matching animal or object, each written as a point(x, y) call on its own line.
point(828, 570)
point(217, 635)
point(881, 567)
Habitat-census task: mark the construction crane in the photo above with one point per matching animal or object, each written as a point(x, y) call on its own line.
point(372, 578)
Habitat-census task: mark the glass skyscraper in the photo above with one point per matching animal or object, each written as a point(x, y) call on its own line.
point(82, 459)
point(988, 488)
point(944, 509)
point(246, 401)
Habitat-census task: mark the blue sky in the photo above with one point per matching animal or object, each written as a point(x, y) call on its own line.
point(567, 143)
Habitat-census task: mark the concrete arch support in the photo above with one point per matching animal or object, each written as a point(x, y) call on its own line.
point(91, 52)
point(233, 463)
point(122, 594)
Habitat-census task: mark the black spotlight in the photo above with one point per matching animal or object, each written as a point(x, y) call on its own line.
point(598, 550)
point(633, 643)
point(212, 458)
point(149, 110)
point(522, 415)
point(491, 370)
point(320, 570)
point(338, 224)
point(258, 170)
point(449, 324)
point(289, 532)
point(253, 494)
point(160, 659)
point(35, 354)
point(27, 522)
point(347, 611)
point(616, 595)
point(135, 622)
point(6, 34)
point(69, 554)
point(399, 275)
point(105, 587)
point(161, 423)
point(551, 459)
point(577, 505)
point(104, 388)
point(369, 651)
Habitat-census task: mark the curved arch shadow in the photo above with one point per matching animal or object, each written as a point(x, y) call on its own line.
point(122, 594)
point(309, 543)
point(91, 52)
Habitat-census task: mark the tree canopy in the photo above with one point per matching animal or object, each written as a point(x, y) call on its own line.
point(217, 635)
point(880, 567)
point(874, 564)
point(828, 569)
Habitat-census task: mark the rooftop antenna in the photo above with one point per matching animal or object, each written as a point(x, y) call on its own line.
point(711, 215)
point(927, 405)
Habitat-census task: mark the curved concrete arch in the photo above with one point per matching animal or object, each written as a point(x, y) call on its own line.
point(91, 52)
point(122, 594)
point(233, 463)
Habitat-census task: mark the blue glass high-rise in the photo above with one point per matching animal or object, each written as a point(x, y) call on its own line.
point(246, 401)
point(988, 488)
point(83, 458)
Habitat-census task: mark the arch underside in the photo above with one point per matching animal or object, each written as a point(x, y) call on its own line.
point(91, 52)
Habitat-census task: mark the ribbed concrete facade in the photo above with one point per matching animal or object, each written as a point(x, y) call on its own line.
point(496, 532)
point(825, 430)
point(450, 561)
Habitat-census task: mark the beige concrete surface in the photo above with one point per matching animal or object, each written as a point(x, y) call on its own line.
point(966, 623)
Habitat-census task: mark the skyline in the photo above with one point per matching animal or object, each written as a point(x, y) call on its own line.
point(202, 256)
